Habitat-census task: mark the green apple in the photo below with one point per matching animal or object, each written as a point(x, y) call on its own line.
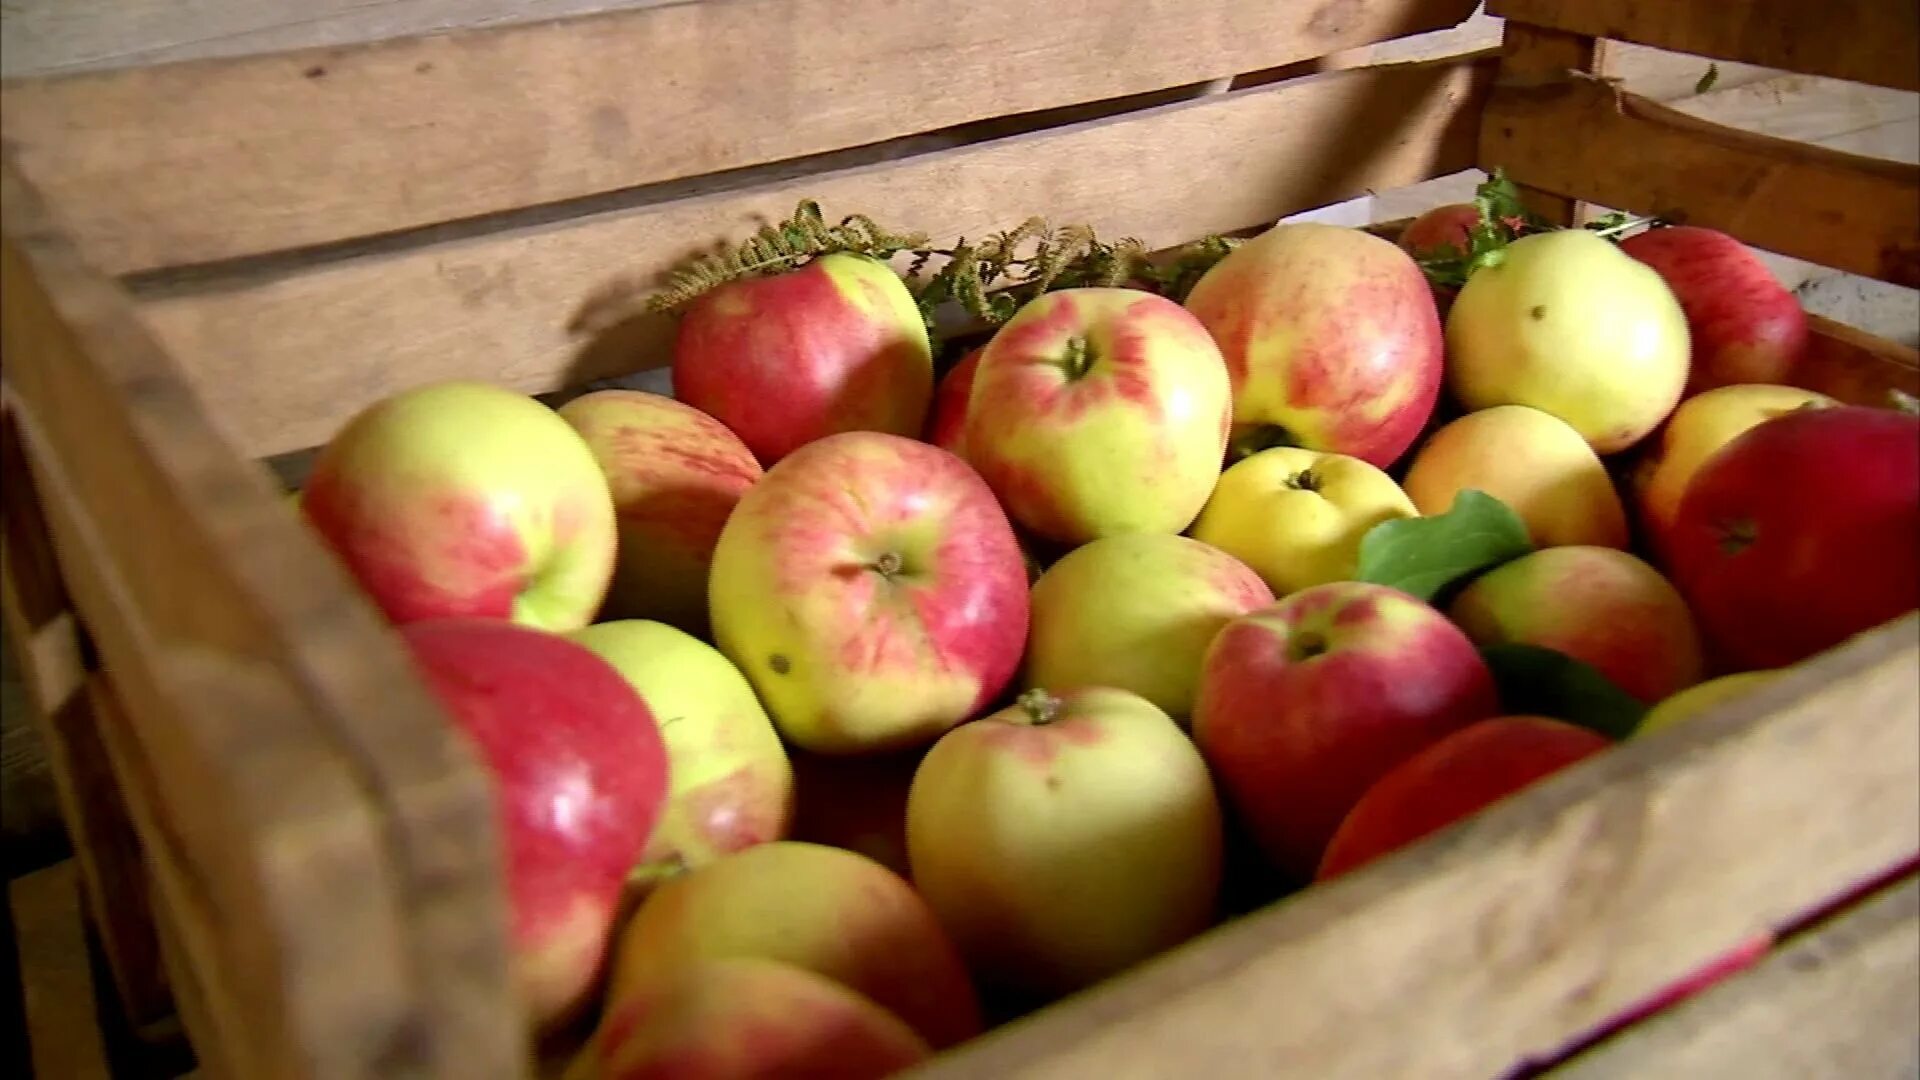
point(1297, 516)
point(1700, 697)
point(732, 783)
point(1136, 612)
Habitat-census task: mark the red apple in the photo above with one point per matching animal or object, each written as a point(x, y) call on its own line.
point(1746, 327)
point(464, 498)
point(1331, 338)
point(949, 419)
point(581, 779)
point(1305, 703)
point(872, 591)
point(1451, 779)
point(1801, 533)
point(1440, 228)
point(837, 345)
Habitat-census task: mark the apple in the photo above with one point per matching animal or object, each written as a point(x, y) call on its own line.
point(1099, 411)
point(1746, 327)
point(1440, 228)
point(949, 419)
point(1599, 605)
point(1331, 338)
point(1065, 838)
point(1695, 432)
point(856, 802)
point(675, 474)
point(1531, 460)
point(1801, 533)
point(1305, 703)
point(462, 498)
point(747, 1019)
point(1136, 613)
point(832, 912)
point(1297, 516)
point(1701, 697)
point(1452, 779)
point(782, 360)
point(872, 591)
point(1566, 323)
point(580, 774)
point(732, 784)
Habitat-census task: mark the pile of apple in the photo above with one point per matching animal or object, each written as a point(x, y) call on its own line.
point(833, 706)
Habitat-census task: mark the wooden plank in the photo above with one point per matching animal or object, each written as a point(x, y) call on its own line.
point(1508, 936)
point(1871, 41)
point(1529, 53)
point(328, 816)
point(508, 307)
point(190, 163)
point(1854, 366)
point(1840, 1002)
point(1840, 210)
point(63, 1029)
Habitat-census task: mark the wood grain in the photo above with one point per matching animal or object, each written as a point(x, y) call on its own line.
point(56, 980)
point(1854, 366)
point(317, 804)
point(178, 164)
point(1510, 935)
point(1872, 41)
point(1839, 1003)
point(283, 360)
point(1840, 210)
point(1528, 54)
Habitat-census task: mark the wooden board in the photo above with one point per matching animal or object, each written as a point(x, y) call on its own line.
point(1873, 41)
point(1854, 366)
point(1841, 210)
point(178, 164)
point(320, 810)
point(1509, 936)
point(504, 306)
point(1839, 1003)
point(1528, 54)
point(63, 1032)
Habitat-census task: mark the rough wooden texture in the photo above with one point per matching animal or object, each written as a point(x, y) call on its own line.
point(332, 827)
point(529, 308)
point(62, 1031)
point(1528, 54)
point(181, 164)
point(1839, 1003)
point(1857, 367)
point(1508, 935)
point(1840, 210)
point(1873, 41)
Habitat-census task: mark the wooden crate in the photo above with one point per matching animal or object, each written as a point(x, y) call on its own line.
point(281, 840)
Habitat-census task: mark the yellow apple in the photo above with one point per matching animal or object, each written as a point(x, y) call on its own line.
point(1531, 460)
point(1296, 516)
point(1700, 697)
point(1569, 324)
point(732, 784)
point(1136, 612)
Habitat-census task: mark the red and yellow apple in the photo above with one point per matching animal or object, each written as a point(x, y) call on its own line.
point(872, 591)
point(1530, 460)
point(732, 784)
point(1135, 613)
point(1599, 605)
point(1065, 838)
point(1099, 411)
point(462, 498)
point(675, 473)
point(580, 779)
point(1331, 338)
point(1297, 516)
point(1305, 703)
point(948, 421)
point(1746, 326)
point(836, 345)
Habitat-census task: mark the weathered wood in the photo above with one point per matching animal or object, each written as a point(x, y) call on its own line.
point(1840, 1002)
point(1508, 936)
point(179, 164)
point(325, 814)
point(63, 1031)
point(1855, 366)
point(1840, 210)
point(526, 308)
point(1872, 41)
point(1528, 54)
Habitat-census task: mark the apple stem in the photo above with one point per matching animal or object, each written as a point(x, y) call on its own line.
point(1304, 480)
point(1077, 359)
point(889, 564)
point(649, 874)
point(1042, 708)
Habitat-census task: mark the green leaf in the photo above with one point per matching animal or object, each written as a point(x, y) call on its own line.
point(1706, 81)
point(1538, 681)
point(1426, 556)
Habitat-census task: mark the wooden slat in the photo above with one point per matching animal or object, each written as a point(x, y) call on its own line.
point(1871, 41)
point(326, 815)
point(1529, 53)
point(1841, 210)
point(1840, 1003)
point(282, 361)
point(1509, 936)
point(1854, 366)
point(63, 1029)
point(189, 163)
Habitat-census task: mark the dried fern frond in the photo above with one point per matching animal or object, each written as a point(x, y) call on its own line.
point(778, 247)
